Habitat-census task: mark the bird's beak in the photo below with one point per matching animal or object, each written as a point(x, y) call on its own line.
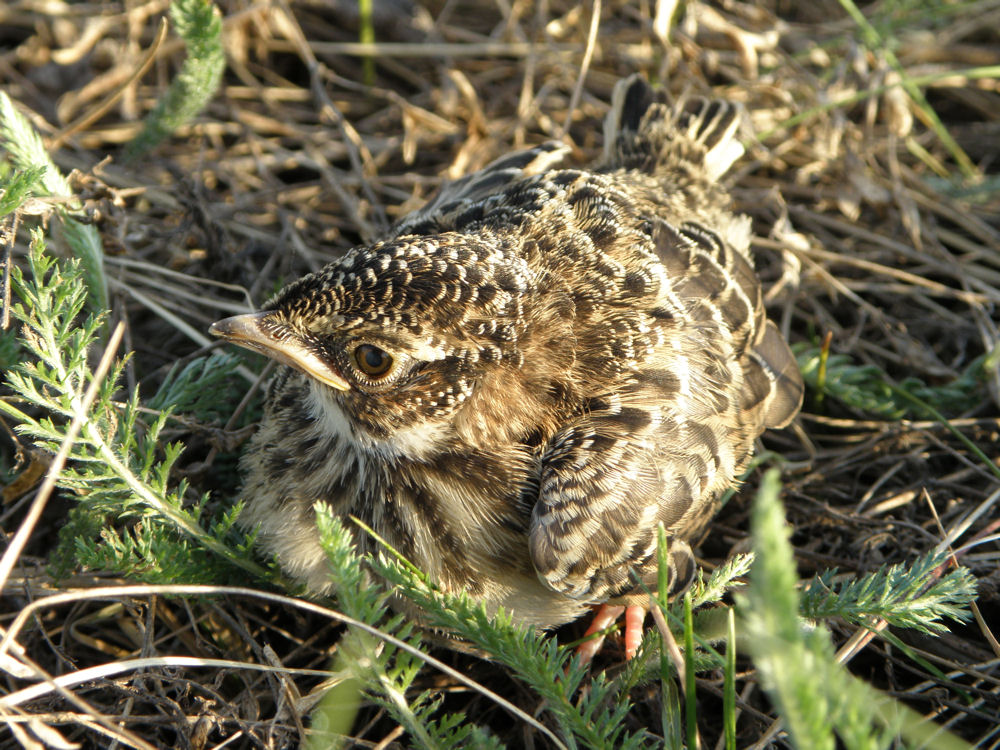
point(258, 332)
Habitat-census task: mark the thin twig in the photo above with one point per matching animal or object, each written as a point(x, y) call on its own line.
point(88, 118)
point(588, 53)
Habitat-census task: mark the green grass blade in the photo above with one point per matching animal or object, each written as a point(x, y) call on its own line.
point(874, 41)
point(690, 686)
point(729, 685)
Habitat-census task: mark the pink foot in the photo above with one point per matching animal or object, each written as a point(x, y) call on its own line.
point(604, 618)
point(634, 617)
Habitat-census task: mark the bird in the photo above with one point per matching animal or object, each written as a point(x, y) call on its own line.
point(520, 382)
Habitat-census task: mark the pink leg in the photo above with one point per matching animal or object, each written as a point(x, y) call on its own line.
point(634, 617)
point(603, 619)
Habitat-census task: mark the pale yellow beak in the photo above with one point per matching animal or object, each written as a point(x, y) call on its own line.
point(280, 344)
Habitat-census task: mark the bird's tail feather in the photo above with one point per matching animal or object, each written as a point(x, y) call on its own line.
point(642, 131)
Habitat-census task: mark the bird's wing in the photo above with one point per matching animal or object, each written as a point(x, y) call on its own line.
point(708, 373)
point(720, 287)
point(455, 197)
point(605, 485)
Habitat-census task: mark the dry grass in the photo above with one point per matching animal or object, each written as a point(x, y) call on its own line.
point(862, 224)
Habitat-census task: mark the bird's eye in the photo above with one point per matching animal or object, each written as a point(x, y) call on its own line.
point(373, 362)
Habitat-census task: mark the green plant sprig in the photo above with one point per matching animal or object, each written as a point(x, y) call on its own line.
point(199, 24)
point(816, 696)
point(867, 388)
point(115, 465)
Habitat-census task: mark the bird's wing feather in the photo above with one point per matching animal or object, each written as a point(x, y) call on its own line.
point(453, 197)
point(772, 364)
point(604, 488)
point(720, 283)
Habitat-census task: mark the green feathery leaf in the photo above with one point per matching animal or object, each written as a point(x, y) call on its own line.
point(199, 24)
point(594, 720)
point(815, 695)
point(118, 468)
point(17, 187)
point(380, 670)
point(867, 389)
point(205, 388)
point(903, 595)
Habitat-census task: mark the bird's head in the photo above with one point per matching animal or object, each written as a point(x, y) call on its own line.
point(414, 330)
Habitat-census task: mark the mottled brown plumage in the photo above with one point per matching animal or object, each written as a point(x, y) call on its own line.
point(519, 382)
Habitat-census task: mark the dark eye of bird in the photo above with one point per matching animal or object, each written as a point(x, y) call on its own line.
point(372, 361)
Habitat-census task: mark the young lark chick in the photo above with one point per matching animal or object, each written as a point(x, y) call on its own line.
point(521, 380)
